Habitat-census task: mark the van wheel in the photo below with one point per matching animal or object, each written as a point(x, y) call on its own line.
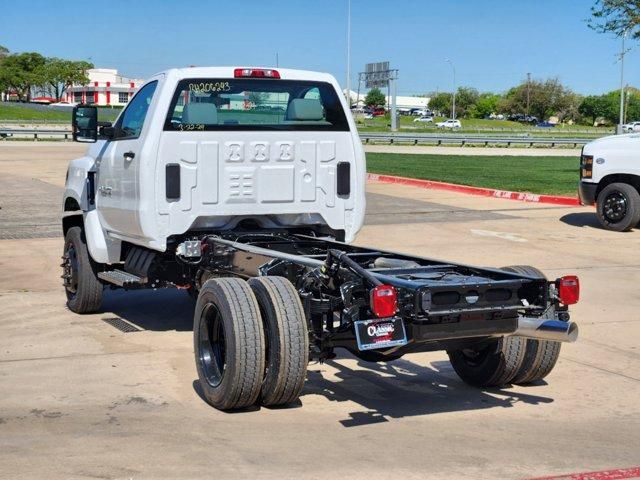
point(618, 207)
point(83, 289)
point(286, 337)
point(540, 356)
point(493, 365)
point(228, 343)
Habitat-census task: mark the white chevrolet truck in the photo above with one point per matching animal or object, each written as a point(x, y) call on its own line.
point(245, 186)
point(610, 179)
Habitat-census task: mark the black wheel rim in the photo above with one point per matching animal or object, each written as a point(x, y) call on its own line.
point(615, 207)
point(212, 345)
point(475, 357)
point(70, 270)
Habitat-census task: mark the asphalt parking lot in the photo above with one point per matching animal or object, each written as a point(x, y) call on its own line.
point(80, 398)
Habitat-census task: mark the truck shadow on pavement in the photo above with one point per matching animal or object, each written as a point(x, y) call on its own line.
point(581, 219)
point(161, 310)
point(403, 389)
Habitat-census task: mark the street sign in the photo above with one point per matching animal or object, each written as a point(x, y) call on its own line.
point(377, 75)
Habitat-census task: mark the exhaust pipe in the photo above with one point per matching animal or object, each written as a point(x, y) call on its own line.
point(545, 329)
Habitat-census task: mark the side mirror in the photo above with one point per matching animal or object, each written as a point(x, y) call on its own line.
point(85, 124)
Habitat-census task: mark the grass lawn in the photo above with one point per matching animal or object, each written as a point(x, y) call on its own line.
point(550, 175)
point(479, 125)
point(42, 113)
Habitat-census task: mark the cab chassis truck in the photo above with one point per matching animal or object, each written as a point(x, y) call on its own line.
point(249, 202)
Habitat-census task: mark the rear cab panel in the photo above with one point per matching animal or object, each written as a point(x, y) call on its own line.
point(270, 150)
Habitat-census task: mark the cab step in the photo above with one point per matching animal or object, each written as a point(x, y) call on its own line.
point(122, 279)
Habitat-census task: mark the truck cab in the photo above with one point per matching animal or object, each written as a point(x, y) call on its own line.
point(610, 180)
point(201, 149)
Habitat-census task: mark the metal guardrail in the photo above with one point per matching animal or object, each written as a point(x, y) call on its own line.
point(35, 132)
point(469, 139)
point(390, 138)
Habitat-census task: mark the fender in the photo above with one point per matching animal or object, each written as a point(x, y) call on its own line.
point(77, 193)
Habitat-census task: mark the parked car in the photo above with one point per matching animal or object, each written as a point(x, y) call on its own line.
point(421, 112)
point(522, 118)
point(449, 124)
point(63, 104)
point(423, 119)
point(378, 112)
point(631, 127)
point(545, 124)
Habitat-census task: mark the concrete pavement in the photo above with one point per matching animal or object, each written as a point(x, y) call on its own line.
point(82, 399)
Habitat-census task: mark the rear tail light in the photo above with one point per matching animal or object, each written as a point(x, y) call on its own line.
point(255, 73)
point(568, 289)
point(586, 166)
point(384, 301)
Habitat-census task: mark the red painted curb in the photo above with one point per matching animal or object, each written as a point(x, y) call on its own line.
point(484, 192)
point(617, 474)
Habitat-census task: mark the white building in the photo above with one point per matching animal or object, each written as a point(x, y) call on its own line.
point(105, 87)
point(402, 102)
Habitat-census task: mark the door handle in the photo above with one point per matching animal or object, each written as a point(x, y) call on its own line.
point(128, 156)
point(106, 191)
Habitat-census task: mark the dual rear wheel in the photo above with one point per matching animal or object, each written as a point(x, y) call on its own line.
point(508, 360)
point(251, 342)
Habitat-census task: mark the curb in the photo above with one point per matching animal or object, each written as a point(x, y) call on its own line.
point(484, 192)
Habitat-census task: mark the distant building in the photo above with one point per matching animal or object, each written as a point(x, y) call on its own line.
point(402, 102)
point(106, 87)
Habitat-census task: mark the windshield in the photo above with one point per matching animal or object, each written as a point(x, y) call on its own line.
point(254, 104)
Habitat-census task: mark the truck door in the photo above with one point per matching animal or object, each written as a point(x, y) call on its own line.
point(117, 195)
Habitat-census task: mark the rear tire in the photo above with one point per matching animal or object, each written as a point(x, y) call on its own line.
point(83, 289)
point(540, 355)
point(618, 207)
point(494, 365)
point(287, 339)
point(229, 343)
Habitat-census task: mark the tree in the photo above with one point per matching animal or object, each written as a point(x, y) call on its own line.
point(60, 74)
point(486, 104)
point(440, 102)
point(593, 107)
point(544, 98)
point(258, 98)
point(375, 98)
point(466, 98)
point(21, 71)
point(4, 51)
point(617, 17)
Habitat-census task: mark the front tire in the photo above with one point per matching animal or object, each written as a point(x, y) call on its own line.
point(83, 289)
point(287, 339)
point(618, 207)
point(228, 343)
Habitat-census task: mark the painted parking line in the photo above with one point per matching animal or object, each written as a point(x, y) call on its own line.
point(512, 237)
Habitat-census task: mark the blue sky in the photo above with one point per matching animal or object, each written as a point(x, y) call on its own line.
point(493, 43)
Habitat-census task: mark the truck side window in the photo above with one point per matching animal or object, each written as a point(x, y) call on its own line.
point(130, 123)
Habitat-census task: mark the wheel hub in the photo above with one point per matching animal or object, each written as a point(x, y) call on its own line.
point(615, 207)
point(70, 269)
point(212, 346)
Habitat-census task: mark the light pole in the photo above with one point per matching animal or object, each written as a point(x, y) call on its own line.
point(453, 110)
point(622, 52)
point(349, 53)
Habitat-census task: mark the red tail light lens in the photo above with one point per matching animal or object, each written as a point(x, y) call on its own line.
point(569, 289)
point(255, 73)
point(384, 301)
